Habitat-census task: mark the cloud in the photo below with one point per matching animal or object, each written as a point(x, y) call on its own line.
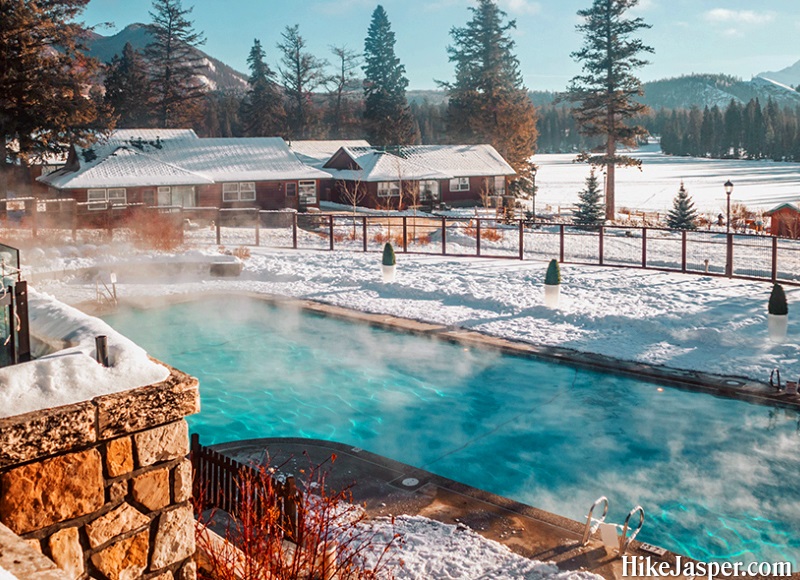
point(724, 15)
point(521, 6)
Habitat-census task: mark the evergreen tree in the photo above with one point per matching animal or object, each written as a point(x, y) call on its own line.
point(683, 214)
point(590, 210)
point(732, 144)
point(387, 115)
point(43, 75)
point(175, 65)
point(488, 102)
point(127, 89)
point(606, 92)
point(301, 74)
point(262, 110)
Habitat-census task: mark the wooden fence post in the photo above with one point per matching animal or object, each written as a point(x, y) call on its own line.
point(219, 227)
point(444, 236)
point(478, 236)
point(364, 231)
point(258, 227)
point(405, 234)
point(683, 251)
point(561, 243)
point(644, 247)
point(729, 256)
point(600, 243)
point(294, 230)
point(774, 258)
point(330, 230)
point(521, 241)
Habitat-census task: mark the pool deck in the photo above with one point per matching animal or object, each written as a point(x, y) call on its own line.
point(377, 482)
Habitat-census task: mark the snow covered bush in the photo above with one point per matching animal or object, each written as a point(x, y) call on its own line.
point(553, 276)
point(777, 301)
point(388, 255)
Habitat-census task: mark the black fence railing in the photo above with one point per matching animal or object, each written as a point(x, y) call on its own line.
point(223, 483)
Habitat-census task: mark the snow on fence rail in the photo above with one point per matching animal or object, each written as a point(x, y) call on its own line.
point(750, 256)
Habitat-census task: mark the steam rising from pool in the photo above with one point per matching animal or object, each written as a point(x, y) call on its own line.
point(715, 476)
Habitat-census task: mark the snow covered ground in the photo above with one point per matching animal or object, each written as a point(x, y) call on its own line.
point(757, 184)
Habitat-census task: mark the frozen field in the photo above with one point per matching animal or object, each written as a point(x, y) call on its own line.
point(757, 184)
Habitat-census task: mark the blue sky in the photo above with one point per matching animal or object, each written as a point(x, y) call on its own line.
point(737, 37)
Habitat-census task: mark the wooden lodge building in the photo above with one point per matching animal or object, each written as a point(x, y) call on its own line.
point(176, 168)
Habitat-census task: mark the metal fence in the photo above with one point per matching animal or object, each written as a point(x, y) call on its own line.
point(15, 344)
point(223, 483)
point(750, 256)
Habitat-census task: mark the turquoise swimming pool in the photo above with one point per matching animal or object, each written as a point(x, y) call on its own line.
point(717, 477)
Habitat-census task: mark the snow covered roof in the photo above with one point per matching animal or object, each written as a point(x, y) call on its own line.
point(151, 157)
point(419, 162)
point(459, 160)
point(777, 208)
point(317, 153)
point(377, 165)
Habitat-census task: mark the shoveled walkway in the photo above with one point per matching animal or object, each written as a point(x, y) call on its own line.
point(388, 487)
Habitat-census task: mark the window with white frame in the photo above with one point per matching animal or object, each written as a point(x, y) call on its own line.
point(100, 199)
point(459, 184)
point(245, 191)
point(500, 185)
point(428, 190)
point(164, 196)
point(308, 192)
point(388, 188)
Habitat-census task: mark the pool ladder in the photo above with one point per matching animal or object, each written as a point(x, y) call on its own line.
point(623, 539)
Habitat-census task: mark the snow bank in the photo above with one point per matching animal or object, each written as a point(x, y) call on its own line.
point(71, 373)
point(431, 549)
point(6, 575)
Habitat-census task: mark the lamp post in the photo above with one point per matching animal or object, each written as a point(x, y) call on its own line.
point(533, 204)
point(728, 191)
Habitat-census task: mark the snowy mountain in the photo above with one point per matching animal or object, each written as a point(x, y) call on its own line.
point(787, 76)
point(217, 75)
point(707, 89)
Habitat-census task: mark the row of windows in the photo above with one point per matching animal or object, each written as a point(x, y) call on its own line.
point(431, 188)
point(184, 195)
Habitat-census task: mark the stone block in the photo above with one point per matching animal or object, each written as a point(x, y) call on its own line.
point(151, 489)
point(174, 539)
point(187, 572)
point(17, 557)
point(162, 443)
point(125, 518)
point(117, 491)
point(35, 545)
point(66, 551)
point(43, 433)
point(165, 576)
point(123, 560)
point(145, 407)
point(119, 456)
point(183, 481)
point(41, 494)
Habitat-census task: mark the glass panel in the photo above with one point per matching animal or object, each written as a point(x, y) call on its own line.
point(164, 196)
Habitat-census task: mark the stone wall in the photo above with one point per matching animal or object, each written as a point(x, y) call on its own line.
point(103, 488)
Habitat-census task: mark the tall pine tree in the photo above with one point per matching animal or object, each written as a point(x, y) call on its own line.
point(128, 91)
point(175, 65)
point(43, 75)
point(606, 91)
point(590, 211)
point(683, 215)
point(301, 74)
point(387, 115)
point(262, 111)
point(488, 102)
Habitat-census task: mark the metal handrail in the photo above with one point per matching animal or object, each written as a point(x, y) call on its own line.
point(624, 540)
point(589, 529)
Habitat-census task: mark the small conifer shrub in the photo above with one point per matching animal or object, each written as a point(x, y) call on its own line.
point(777, 301)
point(553, 276)
point(388, 255)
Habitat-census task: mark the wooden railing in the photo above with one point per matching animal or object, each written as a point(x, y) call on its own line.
point(223, 483)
